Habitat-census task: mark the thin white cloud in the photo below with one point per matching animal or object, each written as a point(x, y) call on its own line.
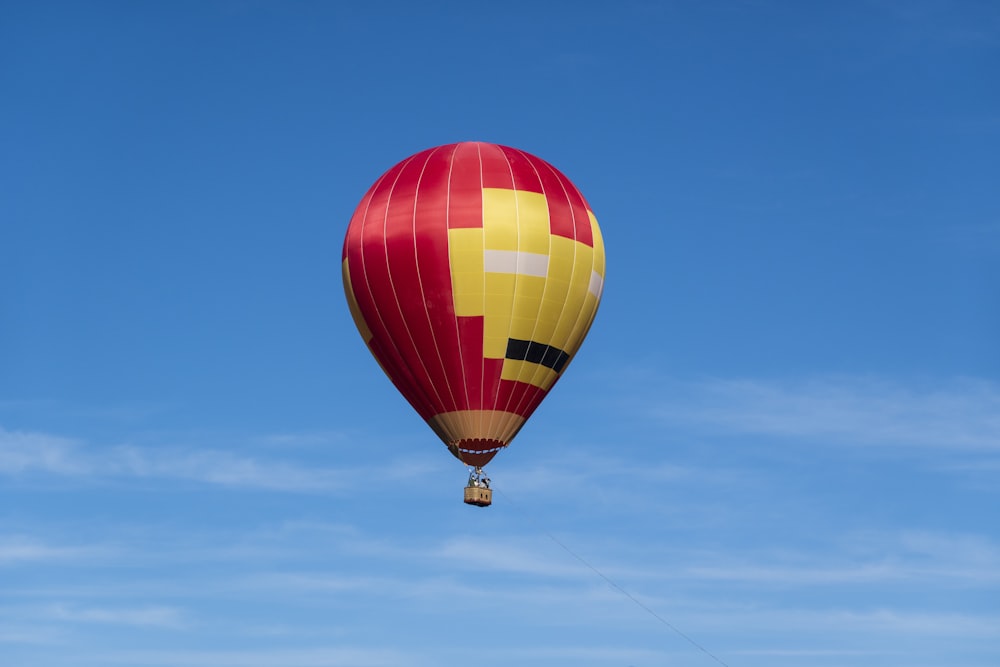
point(814, 653)
point(304, 439)
point(930, 560)
point(547, 602)
point(25, 633)
point(583, 469)
point(147, 616)
point(883, 622)
point(19, 549)
point(220, 467)
point(583, 653)
point(309, 657)
point(819, 575)
point(961, 414)
point(323, 582)
point(498, 554)
point(25, 453)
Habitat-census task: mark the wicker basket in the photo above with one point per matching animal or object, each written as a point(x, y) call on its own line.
point(479, 496)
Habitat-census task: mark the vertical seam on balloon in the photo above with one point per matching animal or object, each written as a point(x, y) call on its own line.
point(421, 391)
point(592, 221)
point(480, 414)
point(420, 283)
point(565, 184)
point(364, 273)
point(546, 286)
point(463, 415)
point(494, 419)
point(395, 295)
point(572, 275)
point(524, 391)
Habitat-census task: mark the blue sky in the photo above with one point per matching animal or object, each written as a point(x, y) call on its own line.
point(781, 439)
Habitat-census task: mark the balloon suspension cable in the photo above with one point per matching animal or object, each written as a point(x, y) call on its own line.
point(615, 586)
point(478, 478)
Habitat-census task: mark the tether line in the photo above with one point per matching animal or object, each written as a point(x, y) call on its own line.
point(614, 585)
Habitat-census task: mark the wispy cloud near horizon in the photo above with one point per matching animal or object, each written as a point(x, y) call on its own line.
point(960, 414)
point(27, 453)
point(147, 616)
point(18, 549)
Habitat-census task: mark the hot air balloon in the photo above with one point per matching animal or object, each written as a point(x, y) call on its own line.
point(473, 271)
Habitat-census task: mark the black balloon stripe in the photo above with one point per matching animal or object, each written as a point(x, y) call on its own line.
point(536, 353)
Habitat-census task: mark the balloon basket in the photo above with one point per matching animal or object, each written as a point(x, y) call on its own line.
point(478, 496)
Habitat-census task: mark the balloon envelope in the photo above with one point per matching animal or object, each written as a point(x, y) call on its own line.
point(473, 272)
